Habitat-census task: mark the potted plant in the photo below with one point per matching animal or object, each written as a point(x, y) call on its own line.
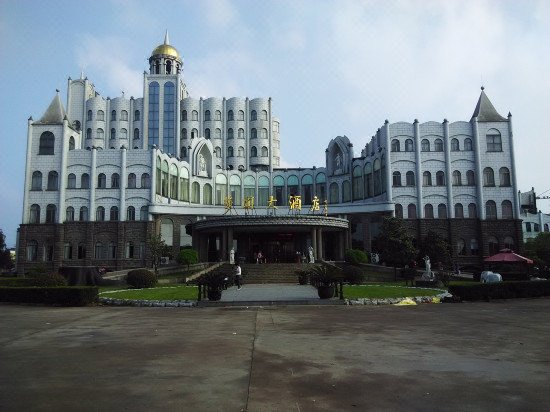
point(303, 276)
point(324, 278)
point(214, 283)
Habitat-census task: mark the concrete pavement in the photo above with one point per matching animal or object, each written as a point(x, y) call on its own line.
point(469, 356)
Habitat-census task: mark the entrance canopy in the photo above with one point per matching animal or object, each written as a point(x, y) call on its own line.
point(507, 256)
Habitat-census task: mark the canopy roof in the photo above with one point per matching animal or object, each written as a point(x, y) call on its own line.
point(507, 256)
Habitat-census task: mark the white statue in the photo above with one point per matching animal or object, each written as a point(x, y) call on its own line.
point(232, 256)
point(202, 163)
point(374, 258)
point(428, 274)
point(310, 253)
point(338, 161)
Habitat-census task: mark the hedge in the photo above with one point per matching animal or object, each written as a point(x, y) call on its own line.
point(63, 296)
point(501, 290)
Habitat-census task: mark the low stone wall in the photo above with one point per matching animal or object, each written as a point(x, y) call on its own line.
point(167, 270)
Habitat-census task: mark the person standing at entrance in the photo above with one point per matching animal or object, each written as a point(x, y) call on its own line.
point(238, 274)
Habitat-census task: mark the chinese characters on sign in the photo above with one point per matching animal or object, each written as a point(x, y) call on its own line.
point(295, 204)
point(228, 204)
point(314, 205)
point(271, 208)
point(249, 205)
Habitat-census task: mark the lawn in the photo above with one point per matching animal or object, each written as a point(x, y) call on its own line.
point(160, 293)
point(378, 291)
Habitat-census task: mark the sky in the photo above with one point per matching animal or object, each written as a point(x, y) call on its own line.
point(331, 67)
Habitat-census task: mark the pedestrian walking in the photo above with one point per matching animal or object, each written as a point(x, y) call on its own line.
point(238, 274)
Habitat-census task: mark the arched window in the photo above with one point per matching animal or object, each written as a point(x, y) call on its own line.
point(218, 152)
point(34, 216)
point(409, 145)
point(113, 215)
point(100, 214)
point(101, 181)
point(438, 145)
point(124, 115)
point(254, 134)
point(279, 190)
point(230, 133)
point(264, 114)
point(123, 133)
point(89, 116)
point(292, 185)
point(459, 211)
point(253, 151)
point(184, 184)
point(494, 141)
point(100, 134)
point(145, 181)
point(395, 147)
point(131, 181)
point(442, 211)
point(426, 179)
point(307, 189)
point(508, 242)
point(83, 214)
point(440, 178)
point(472, 211)
point(101, 115)
point(457, 178)
point(265, 152)
point(71, 181)
point(357, 183)
point(468, 144)
point(136, 134)
point(460, 247)
point(455, 145)
point(377, 178)
point(218, 133)
point(136, 115)
point(240, 151)
point(53, 183)
point(230, 151)
point(493, 245)
point(207, 194)
point(346, 191)
point(470, 178)
point(173, 181)
point(411, 211)
point(253, 115)
point(410, 178)
point(218, 115)
point(207, 115)
point(98, 252)
point(115, 181)
point(399, 211)
point(230, 115)
point(32, 251)
point(263, 133)
point(396, 179)
point(131, 213)
point(85, 181)
point(129, 250)
point(241, 115)
point(69, 214)
point(425, 145)
point(507, 212)
point(113, 115)
point(367, 171)
point(144, 213)
point(88, 133)
point(428, 211)
point(36, 183)
point(71, 143)
point(240, 133)
point(183, 115)
point(194, 115)
point(51, 211)
point(474, 247)
point(207, 133)
point(488, 177)
point(183, 152)
point(334, 195)
point(47, 143)
point(490, 210)
point(234, 190)
point(504, 176)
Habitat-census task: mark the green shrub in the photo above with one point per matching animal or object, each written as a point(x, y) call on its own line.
point(303, 276)
point(64, 296)
point(49, 280)
point(37, 270)
point(141, 278)
point(325, 275)
point(356, 256)
point(188, 257)
point(353, 275)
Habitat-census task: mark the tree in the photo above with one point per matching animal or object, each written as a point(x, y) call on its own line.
point(188, 257)
point(436, 247)
point(158, 249)
point(538, 249)
point(394, 245)
point(5, 257)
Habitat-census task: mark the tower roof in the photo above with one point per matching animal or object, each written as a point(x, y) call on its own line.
point(166, 49)
point(55, 113)
point(485, 111)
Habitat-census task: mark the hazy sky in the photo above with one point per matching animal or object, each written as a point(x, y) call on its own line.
point(332, 67)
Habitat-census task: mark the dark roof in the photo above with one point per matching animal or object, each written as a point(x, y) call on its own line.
point(485, 111)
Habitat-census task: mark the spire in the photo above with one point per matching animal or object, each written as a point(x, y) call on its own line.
point(166, 38)
point(55, 113)
point(485, 111)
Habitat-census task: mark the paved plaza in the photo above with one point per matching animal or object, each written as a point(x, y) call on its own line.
point(446, 357)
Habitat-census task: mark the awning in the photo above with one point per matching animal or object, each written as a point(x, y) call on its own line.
point(507, 256)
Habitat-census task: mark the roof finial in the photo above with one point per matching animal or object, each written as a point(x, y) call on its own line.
point(81, 74)
point(166, 38)
point(57, 90)
point(482, 88)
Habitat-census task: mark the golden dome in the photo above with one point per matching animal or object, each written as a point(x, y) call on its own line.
point(167, 50)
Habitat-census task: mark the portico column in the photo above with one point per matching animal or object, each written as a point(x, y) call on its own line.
point(223, 248)
point(229, 240)
point(320, 244)
point(314, 243)
point(341, 245)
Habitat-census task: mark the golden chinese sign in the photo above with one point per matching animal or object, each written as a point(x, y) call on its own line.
point(248, 204)
point(271, 208)
point(228, 204)
point(325, 208)
point(295, 204)
point(314, 205)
